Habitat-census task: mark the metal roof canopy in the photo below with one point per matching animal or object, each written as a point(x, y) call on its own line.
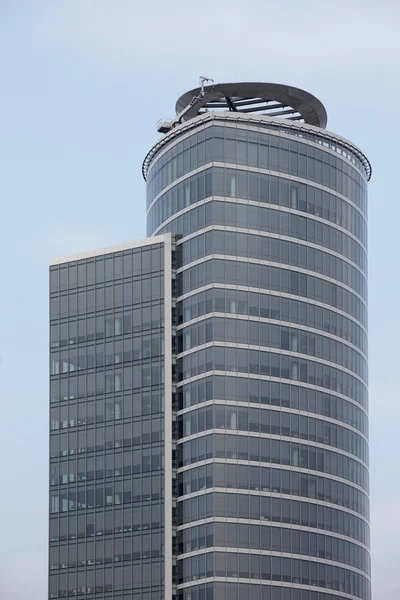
point(261, 98)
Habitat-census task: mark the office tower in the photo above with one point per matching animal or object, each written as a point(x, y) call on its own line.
point(209, 409)
point(110, 406)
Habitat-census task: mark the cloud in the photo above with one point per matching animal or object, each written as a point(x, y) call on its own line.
point(31, 575)
point(385, 553)
point(384, 400)
point(227, 36)
point(385, 488)
point(65, 240)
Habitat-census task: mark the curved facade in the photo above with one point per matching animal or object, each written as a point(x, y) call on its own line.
point(270, 217)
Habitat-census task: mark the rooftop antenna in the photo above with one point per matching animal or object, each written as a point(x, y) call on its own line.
point(202, 81)
point(166, 126)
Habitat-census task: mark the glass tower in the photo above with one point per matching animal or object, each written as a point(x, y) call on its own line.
point(239, 415)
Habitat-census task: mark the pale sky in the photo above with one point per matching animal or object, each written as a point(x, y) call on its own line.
point(82, 86)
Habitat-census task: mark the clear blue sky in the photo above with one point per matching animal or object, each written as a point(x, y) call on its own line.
point(82, 85)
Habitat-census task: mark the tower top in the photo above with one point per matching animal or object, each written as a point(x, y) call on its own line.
point(278, 105)
point(269, 99)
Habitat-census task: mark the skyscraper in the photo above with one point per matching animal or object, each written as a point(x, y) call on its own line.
point(209, 408)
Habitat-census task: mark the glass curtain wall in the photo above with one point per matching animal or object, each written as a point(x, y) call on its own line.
point(107, 387)
point(272, 419)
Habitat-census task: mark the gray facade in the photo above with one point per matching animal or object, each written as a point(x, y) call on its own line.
point(110, 325)
point(260, 411)
point(272, 448)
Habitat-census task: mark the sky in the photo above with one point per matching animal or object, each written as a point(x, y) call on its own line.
point(82, 86)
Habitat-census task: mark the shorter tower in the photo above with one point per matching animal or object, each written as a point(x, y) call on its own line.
point(111, 354)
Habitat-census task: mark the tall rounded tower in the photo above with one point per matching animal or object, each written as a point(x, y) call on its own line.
point(271, 404)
